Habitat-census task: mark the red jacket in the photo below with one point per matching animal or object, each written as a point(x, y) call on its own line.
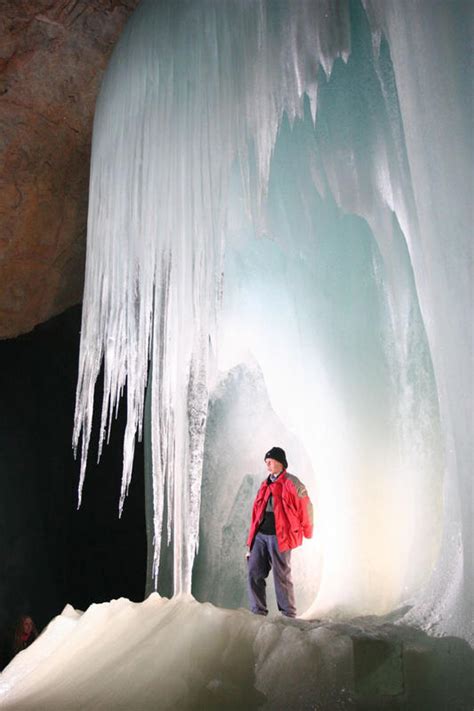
point(292, 507)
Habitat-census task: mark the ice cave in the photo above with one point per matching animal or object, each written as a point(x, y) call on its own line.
point(279, 251)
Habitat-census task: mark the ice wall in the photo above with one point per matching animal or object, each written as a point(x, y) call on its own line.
point(288, 184)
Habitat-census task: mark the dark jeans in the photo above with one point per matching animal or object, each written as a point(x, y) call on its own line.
point(263, 557)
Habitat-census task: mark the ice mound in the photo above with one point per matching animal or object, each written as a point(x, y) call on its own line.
point(180, 654)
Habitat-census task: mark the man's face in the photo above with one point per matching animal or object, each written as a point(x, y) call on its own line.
point(273, 467)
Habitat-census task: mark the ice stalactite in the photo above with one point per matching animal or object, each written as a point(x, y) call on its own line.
point(263, 189)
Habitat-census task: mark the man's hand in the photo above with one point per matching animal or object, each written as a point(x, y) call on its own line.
point(247, 555)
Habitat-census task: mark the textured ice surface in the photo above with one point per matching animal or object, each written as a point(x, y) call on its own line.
point(288, 184)
point(178, 654)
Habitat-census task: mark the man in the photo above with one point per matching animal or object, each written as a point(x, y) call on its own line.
point(282, 514)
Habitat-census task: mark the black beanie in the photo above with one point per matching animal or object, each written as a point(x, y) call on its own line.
point(278, 454)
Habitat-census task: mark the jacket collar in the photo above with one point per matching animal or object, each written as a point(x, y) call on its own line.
point(280, 477)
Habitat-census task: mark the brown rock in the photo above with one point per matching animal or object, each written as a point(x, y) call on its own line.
point(52, 57)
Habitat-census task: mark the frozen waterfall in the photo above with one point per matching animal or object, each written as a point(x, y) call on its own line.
point(280, 201)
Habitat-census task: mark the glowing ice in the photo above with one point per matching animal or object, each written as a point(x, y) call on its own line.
point(179, 654)
point(247, 205)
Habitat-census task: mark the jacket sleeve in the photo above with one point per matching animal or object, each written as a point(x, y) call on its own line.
point(305, 509)
point(254, 521)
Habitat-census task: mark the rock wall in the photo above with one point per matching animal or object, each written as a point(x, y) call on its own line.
point(52, 57)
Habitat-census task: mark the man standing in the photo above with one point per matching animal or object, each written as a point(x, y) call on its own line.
point(282, 514)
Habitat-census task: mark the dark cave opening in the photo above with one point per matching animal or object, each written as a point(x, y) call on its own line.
point(53, 553)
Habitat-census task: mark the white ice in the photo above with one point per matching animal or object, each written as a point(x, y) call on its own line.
point(286, 188)
point(180, 655)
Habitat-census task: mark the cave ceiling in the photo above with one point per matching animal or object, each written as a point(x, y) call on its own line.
point(52, 58)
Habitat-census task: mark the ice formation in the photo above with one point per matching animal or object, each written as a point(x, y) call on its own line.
point(284, 187)
point(178, 654)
